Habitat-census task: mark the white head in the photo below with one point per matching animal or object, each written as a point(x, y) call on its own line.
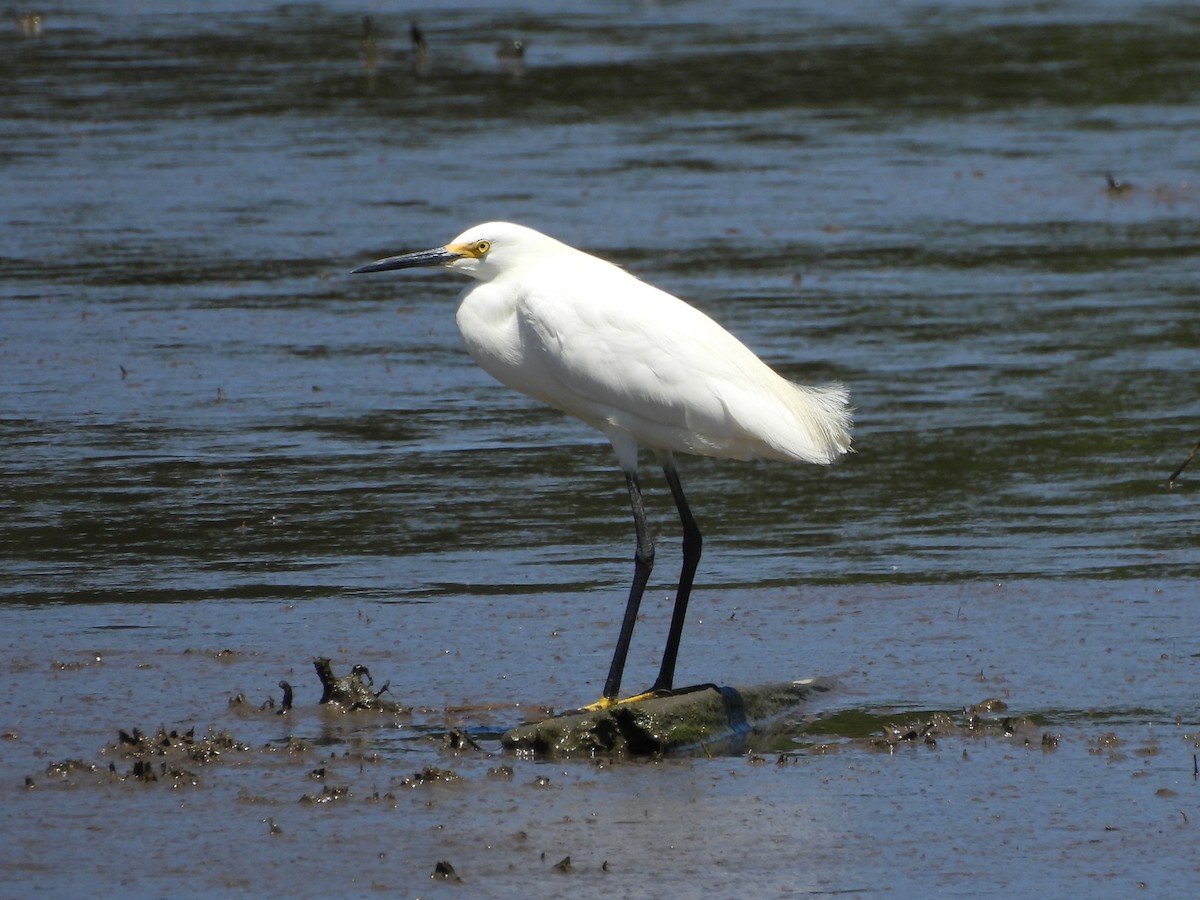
point(482, 251)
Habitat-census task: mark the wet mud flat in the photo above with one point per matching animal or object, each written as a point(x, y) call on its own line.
point(170, 764)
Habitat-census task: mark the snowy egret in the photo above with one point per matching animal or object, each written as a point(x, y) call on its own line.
point(643, 367)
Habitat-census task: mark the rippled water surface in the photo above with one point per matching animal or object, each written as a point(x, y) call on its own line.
point(981, 217)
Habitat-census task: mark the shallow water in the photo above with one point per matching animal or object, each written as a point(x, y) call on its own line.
point(214, 438)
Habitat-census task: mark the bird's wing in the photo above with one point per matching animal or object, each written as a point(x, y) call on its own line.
point(615, 350)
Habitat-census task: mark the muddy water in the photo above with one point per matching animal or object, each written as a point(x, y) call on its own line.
point(222, 456)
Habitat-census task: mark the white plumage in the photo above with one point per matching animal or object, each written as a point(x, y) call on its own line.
point(642, 366)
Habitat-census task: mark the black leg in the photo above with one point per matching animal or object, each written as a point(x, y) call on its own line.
point(692, 543)
point(643, 562)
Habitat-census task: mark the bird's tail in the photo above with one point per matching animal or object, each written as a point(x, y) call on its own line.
point(825, 414)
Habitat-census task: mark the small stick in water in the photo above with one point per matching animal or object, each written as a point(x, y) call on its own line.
point(1182, 465)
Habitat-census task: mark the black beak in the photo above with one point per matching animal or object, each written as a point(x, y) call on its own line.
point(439, 256)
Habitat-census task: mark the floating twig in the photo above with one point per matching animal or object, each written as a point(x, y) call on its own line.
point(1183, 465)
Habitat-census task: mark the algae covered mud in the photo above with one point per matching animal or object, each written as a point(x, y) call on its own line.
point(223, 458)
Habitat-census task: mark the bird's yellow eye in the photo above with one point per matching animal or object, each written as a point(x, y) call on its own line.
point(482, 247)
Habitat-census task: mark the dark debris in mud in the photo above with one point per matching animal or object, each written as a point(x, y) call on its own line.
point(857, 729)
point(564, 865)
point(457, 741)
point(356, 690)
point(167, 756)
point(176, 757)
point(328, 794)
point(443, 871)
point(430, 775)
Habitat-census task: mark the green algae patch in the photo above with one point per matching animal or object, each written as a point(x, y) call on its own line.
point(705, 719)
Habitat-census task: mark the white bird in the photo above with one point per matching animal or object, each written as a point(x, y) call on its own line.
point(643, 367)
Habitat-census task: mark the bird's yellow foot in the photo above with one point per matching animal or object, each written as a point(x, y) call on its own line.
point(608, 703)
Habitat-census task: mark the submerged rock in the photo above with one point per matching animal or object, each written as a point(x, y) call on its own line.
point(704, 719)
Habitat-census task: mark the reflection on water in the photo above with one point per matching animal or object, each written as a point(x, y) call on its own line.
point(199, 402)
